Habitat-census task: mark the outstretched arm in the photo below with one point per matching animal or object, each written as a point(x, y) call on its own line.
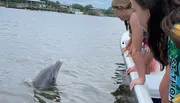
point(137, 56)
point(127, 46)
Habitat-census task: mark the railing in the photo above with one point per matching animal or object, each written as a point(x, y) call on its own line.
point(141, 92)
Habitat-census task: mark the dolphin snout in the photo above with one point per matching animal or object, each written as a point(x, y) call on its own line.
point(59, 62)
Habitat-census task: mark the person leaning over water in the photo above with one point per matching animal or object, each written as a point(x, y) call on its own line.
point(165, 45)
point(123, 10)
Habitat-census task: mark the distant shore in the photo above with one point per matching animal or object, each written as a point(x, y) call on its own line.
point(23, 6)
point(2, 4)
point(56, 8)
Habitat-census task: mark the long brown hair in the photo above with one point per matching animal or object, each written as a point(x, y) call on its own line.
point(157, 40)
point(128, 26)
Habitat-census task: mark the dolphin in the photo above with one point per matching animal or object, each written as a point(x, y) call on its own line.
point(47, 77)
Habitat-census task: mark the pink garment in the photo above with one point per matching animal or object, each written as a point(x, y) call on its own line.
point(147, 48)
point(153, 65)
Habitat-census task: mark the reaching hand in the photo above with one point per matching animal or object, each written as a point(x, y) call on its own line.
point(129, 55)
point(137, 81)
point(131, 69)
point(123, 50)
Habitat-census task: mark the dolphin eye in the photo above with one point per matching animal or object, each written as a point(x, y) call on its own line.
point(53, 79)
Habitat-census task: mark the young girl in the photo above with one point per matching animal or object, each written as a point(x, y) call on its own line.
point(150, 14)
point(171, 27)
point(123, 10)
point(124, 16)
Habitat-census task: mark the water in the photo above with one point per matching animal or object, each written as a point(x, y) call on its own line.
point(88, 45)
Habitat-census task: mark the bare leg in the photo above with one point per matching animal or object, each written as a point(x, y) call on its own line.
point(148, 57)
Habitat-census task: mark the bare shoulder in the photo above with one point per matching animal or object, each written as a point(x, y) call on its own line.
point(135, 26)
point(137, 32)
point(133, 20)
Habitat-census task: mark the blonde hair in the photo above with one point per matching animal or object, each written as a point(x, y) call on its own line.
point(125, 4)
point(120, 5)
point(171, 23)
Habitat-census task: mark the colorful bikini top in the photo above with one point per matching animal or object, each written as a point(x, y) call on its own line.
point(145, 37)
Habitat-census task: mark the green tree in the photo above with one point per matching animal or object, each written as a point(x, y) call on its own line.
point(53, 4)
point(78, 6)
point(92, 12)
point(88, 7)
point(18, 1)
point(57, 2)
point(109, 12)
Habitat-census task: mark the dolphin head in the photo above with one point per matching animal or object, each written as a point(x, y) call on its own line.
point(47, 77)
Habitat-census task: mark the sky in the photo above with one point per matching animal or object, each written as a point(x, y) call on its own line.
point(95, 3)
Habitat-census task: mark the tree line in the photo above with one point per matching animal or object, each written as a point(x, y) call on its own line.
point(55, 6)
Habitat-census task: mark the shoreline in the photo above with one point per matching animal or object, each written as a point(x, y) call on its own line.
point(26, 6)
